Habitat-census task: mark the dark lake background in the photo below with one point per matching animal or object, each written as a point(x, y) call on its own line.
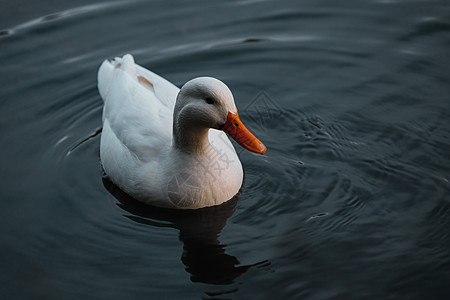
point(351, 201)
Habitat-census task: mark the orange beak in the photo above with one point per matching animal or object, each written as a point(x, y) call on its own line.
point(236, 129)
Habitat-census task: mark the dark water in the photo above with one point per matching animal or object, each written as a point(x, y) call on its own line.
point(352, 99)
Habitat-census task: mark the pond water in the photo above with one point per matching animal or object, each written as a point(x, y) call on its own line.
point(351, 200)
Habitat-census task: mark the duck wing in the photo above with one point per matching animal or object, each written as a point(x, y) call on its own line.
point(138, 107)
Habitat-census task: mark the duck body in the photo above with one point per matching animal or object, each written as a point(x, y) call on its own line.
point(163, 146)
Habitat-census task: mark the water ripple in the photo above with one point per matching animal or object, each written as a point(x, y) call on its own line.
point(62, 15)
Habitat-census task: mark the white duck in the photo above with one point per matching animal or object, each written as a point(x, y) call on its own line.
point(165, 146)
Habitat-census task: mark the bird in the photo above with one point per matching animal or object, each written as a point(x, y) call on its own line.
point(168, 147)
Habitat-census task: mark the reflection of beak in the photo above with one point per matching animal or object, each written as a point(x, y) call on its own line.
point(236, 129)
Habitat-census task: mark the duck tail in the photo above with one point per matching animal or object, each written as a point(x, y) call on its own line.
point(106, 72)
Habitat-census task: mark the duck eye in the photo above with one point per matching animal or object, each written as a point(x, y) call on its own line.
point(209, 100)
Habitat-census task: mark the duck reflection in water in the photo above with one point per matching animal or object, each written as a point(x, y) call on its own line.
point(204, 257)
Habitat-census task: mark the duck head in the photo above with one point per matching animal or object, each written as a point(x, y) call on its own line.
point(205, 103)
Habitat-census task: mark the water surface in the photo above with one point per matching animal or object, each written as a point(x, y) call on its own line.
point(350, 201)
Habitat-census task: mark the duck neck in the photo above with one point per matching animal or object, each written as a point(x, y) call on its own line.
point(190, 140)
